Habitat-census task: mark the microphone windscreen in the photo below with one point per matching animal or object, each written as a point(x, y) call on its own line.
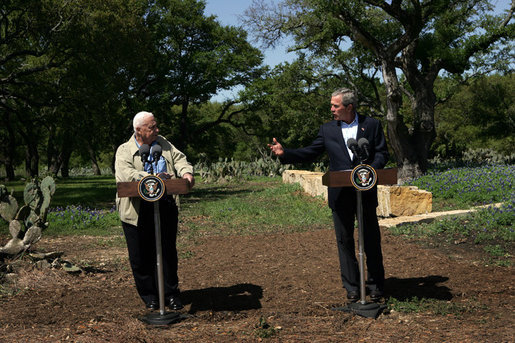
point(352, 143)
point(144, 149)
point(363, 142)
point(156, 149)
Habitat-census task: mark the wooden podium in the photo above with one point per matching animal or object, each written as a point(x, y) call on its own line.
point(132, 190)
point(347, 178)
point(342, 178)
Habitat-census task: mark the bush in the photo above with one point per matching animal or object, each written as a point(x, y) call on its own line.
point(472, 158)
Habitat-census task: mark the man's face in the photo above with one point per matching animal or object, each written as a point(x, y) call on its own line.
point(339, 111)
point(148, 131)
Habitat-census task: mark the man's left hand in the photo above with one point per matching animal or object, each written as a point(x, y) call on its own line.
point(190, 178)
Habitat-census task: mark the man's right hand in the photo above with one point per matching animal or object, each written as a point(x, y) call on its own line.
point(276, 147)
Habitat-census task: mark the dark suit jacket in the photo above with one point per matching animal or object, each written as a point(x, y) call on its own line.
point(330, 139)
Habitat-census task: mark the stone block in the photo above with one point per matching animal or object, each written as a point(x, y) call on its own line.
point(311, 182)
point(399, 201)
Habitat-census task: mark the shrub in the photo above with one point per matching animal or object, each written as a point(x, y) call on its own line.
point(228, 169)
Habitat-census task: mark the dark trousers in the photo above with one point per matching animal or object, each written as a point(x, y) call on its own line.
point(141, 245)
point(344, 215)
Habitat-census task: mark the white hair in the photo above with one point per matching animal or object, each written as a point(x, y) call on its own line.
point(139, 118)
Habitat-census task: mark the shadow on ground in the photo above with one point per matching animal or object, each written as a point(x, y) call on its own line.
point(423, 287)
point(234, 298)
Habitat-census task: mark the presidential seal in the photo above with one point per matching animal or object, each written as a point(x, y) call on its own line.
point(151, 188)
point(363, 177)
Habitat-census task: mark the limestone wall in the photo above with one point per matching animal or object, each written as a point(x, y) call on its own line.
point(394, 201)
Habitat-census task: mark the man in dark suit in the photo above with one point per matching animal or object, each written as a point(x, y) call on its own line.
point(332, 138)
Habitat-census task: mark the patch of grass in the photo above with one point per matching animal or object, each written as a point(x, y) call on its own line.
point(261, 205)
point(112, 242)
point(90, 191)
point(435, 306)
point(263, 329)
point(491, 227)
point(78, 220)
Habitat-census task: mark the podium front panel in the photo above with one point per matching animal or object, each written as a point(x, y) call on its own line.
point(173, 186)
point(341, 178)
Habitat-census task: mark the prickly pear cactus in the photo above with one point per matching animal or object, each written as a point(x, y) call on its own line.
point(28, 222)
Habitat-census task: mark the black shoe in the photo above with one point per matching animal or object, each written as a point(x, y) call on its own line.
point(353, 296)
point(376, 295)
point(174, 303)
point(152, 305)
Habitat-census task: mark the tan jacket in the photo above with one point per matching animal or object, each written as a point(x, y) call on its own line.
point(128, 167)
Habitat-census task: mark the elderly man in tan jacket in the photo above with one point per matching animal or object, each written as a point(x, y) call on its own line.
point(137, 215)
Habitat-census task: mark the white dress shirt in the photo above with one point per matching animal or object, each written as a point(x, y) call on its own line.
point(350, 131)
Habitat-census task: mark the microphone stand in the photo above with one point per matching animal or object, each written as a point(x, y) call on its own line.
point(163, 318)
point(362, 307)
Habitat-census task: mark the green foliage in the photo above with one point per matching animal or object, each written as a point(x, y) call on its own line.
point(478, 115)
point(195, 57)
point(291, 102)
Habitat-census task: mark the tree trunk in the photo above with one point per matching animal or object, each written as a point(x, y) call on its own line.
point(400, 138)
point(183, 124)
point(424, 124)
point(65, 163)
point(65, 153)
point(93, 158)
point(10, 150)
point(113, 160)
point(9, 170)
point(53, 163)
point(32, 160)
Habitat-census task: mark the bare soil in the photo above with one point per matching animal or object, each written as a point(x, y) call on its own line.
point(272, 288)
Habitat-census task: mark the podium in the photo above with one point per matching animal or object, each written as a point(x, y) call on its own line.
point(151, 188)
point(362, 178)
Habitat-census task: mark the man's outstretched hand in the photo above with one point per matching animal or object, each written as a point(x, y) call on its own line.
point(276, 147)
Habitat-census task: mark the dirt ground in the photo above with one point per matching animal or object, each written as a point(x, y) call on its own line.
point(270, 288)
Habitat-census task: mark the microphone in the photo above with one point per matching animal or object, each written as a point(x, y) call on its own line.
point(144, 151)
point(364, 145)
point(156, 152)
point(353, 146)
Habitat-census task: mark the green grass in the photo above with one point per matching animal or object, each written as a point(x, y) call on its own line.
point(79, 220)
point(490, 228)
point(257, 206)
point(90, 191)
point(434, 306)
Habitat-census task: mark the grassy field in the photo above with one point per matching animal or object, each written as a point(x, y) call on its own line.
point(85, 206)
